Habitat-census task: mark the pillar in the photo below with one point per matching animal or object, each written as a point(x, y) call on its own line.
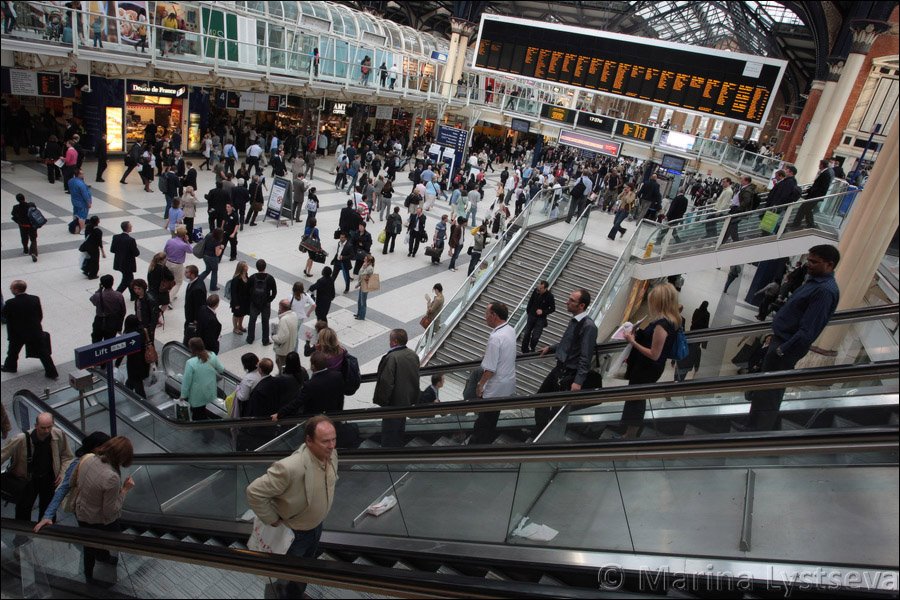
point(788, 144)
point(864, 33)
point(870, 227)
point(462, 31)
point(802, 158)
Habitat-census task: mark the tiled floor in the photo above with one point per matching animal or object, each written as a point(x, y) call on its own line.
point(64, 291)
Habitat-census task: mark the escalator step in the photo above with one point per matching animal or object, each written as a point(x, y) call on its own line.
point(843, 423)
point(444, 441)
point(214, 542)
point(547, 580)
point(445, 570)
point(694, 430)
point(505, 439)
point(327, 556)
point(492, 574)
point(369, 444)
point(404, 566)
point(131, 531)
point(238, 545)
point(417, 442)
point(170, 536)
point(362, 560)
point(894, 420)
point(148, 533)
point(788, 425)
point(190, 539)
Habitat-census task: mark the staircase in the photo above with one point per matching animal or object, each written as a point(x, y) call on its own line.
point(511, 283)
point(587, 269)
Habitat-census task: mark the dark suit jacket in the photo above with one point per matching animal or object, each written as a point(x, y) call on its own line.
point(398, 378)
point(677, 207)
point(23, 318)
point(428, 395)
point(324, 289)
point(190, 178)
point(784, 192)
point(194, 299)
point(349, 220)
point(125, 250)
point(209, 328)
point(820, 186)
point(323, 393)
point(411, 223)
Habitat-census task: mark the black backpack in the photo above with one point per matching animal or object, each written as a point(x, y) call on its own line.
point(352, 376)
point(259, 295)
point(578, 190)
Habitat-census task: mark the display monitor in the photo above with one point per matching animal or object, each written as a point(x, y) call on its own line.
point(520, 125)
point(727, 85)
point(673, 163)
point(675, 139)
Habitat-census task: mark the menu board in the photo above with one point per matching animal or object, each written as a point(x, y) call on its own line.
point(728, 85)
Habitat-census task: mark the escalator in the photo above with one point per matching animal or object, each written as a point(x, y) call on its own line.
point(843, 396)
point(753, 510)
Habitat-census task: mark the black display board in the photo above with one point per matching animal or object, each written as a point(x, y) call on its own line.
point(729, 85)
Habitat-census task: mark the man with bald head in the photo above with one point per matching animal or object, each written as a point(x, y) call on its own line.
point(49, 453)
point(23, 316)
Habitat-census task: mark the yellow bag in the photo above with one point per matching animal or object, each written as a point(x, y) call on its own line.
point(475, 230)
point(229, 402)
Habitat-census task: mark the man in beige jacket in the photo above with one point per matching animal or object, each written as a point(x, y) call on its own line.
point(285, 338)
point(50, 455)
point(298, 491)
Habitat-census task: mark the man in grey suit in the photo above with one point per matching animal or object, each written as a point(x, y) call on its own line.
point(397, 385)
point(573, 355)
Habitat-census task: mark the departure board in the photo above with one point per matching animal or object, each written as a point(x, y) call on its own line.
point(727, 85)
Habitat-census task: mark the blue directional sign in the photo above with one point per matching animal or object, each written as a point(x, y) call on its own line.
point(107, 350)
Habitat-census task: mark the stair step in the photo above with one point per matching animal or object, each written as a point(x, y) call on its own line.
point(496, 576)
point(445, 570)
point(404, 566)
point(170, 536)
point(190, 539)
point(417, 442)
point(328, 556)
point(214, 542)
point(444, 441)
point(843, 423)
point(362, 560)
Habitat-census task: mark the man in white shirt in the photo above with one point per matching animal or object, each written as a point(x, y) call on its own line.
point(254, 151)
point(499, 365)
point(723, 201)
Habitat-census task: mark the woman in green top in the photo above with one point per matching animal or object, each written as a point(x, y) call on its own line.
point(198, 386)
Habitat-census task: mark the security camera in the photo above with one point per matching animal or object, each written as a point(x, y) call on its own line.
point(86, 89)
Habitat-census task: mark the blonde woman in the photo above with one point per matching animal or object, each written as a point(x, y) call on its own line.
point(189, 206)
point(365, 274)
point(329, 345)
point(651, 347)
point(240, 297)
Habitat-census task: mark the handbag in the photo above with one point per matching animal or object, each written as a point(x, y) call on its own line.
point(374, 283)
point(337, 234)
point(469, 250)
point(423, 236)
point(12, 486)
point(425, 321)
point(166, 285)
point(319, 257)
point(433, 251)
point(68, 503)
point(150, 355)
point(40, 348)
point(268, 539)
point(769, 221)
point(382, 237)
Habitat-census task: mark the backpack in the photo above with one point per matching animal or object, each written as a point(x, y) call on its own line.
point(680, 346)
point(259, 295)
point(35, 217)
point(198, 248)
point(352, 376)
point(227, 293)
point(578, 190)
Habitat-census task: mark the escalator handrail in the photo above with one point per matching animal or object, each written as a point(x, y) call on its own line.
point(327, 573)
point(839, 318)
point(734, 445)
point(755, 381)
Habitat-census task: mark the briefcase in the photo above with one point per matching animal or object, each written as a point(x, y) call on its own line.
point(433, 252)
point(319, 257)
point(34, 349)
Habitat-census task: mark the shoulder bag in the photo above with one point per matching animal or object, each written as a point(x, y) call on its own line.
point(12, 486)
point(373, 284)
point(150, 355)
point(68, 503)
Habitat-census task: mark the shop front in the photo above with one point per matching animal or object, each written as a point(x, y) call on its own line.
point(336, 119)
point(166, 105)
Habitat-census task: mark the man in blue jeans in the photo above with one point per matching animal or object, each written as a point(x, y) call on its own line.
point(298, 491)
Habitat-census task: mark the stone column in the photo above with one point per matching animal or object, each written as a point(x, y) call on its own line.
point(463, 31)
point(864, 34)
point(815, 125)
point(447, 81)
point(869, 230)
point(788, 145)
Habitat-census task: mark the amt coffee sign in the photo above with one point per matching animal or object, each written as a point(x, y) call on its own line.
point(154, 88)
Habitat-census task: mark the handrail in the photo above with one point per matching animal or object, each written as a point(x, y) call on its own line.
point(864, 439)
point(749, 382)
point(386, 580)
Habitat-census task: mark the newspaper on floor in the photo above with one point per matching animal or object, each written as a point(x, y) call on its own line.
point(379, 508)
point(533, 531)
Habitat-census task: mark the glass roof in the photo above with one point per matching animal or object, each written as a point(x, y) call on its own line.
point(717, 24)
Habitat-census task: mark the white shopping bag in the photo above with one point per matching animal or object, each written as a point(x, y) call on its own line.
point(268, 539)
point(379, 508)
point(533, 531)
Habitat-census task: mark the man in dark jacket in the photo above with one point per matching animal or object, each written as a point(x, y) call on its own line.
point(208, 326)
point(349, 219)
point(818, 189)
point(110, 313)
point(240, 196)
point(540, 306)
point(216, 198)
point(677, 208)
point(361, 240)
point(343, 256)
point(23, 316)
point(397, 385)
point(27, 231)
point(651, 199)
point(125, 250)
point(263, 290)
point(100, 153)
point(786, 190)
point(132, 160)
point(194, 297)
point(190, 177)
point(323, 393)
point(324, 289)
point(415, 227)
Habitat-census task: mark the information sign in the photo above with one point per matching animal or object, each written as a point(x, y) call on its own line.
point(592, 143)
